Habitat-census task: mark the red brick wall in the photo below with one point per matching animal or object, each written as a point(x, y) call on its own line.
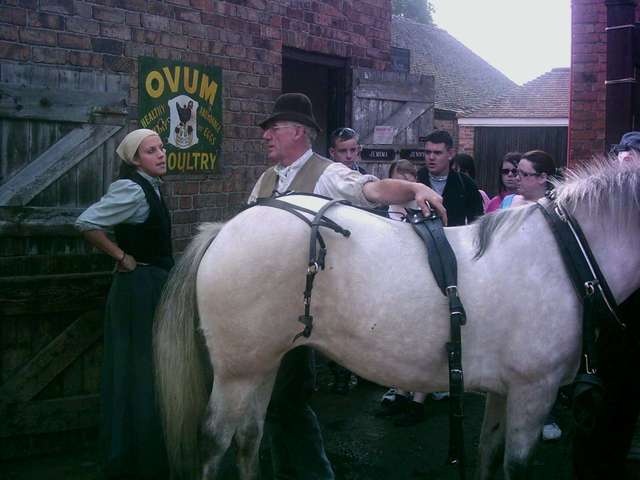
point(465, 139)
point(588, 74)
point(244, 40)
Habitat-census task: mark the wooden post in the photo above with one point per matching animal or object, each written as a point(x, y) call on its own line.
point(620, 85)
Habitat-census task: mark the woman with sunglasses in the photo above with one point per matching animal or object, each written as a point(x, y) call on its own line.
point(507, 182)
point(535, 169)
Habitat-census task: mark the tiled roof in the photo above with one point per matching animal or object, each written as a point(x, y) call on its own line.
point(463, 80)
point(544, 97)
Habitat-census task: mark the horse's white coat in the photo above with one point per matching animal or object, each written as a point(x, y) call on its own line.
point(378, 311)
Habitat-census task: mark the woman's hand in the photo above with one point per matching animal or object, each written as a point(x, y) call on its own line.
point(127, 264)
point(100, 240)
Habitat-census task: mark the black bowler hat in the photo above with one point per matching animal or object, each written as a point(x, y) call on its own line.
point(292, 107)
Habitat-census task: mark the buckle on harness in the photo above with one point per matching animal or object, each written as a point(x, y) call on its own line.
point(587, 367)
point(590, 287)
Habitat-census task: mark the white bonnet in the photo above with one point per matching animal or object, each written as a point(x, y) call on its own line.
point(129, 145)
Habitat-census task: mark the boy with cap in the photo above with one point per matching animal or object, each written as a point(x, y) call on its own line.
point(344, 147)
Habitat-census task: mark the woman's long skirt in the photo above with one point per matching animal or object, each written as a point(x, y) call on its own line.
point(131, 429)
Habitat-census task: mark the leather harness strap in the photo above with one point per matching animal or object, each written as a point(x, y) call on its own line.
point(444, 266)
point(316, 257)
point(597, 299)
point(316, 261)
point(588, 281)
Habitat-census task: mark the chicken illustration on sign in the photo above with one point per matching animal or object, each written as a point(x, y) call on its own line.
point(183, 131)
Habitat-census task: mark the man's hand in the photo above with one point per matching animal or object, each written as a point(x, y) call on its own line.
point(427, 199)
point(391, 191)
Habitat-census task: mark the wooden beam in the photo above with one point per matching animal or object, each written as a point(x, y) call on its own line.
point(53, 294)
point(47, 416)
point(25, 384)
point(38, 221)
point(394, 92)
point(51, 264)
point(404, 117)
point(58, 105)
point(54, 162)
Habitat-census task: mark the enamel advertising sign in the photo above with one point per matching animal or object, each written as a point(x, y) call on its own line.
point(183, 103)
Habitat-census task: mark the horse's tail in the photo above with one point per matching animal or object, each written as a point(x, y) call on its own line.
point(181, 368)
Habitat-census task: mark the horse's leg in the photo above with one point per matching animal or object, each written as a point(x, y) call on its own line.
point(491, 448)
point(527, 408)
point(249, 432)
point(236, 410)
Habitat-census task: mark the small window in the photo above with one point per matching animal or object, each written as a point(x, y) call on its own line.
point(400, 59)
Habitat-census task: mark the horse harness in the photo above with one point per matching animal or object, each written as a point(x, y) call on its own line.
point(444, 267)
point(591, 287)
point(316, 257)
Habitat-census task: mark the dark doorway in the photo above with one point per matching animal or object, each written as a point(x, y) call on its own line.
point(323, 79)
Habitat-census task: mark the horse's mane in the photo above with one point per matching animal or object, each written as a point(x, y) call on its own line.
point(604, 187)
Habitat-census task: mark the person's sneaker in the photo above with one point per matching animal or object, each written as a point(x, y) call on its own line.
point(395, 407)
point(440, 395)
point(389, 396)
point(551, 431)
point(414, 414)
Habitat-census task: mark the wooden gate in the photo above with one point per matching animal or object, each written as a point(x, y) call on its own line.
point(403, 101)
point(58, 133)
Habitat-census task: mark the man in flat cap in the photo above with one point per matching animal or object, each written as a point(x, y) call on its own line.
point(297, 449)
point(628, 148)
point(601, 451)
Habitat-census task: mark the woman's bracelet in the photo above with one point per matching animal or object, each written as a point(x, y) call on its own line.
point(124, 254)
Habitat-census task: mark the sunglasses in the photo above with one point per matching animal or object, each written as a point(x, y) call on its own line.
point(344, 133)
point(509, 171)
point(527, 174)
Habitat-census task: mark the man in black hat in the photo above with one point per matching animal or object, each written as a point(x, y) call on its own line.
point(297, 449)
point(289, 133)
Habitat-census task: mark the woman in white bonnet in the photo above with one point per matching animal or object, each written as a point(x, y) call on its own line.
point(134, 211)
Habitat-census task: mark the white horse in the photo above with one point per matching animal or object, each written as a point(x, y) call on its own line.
point(378, 311)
